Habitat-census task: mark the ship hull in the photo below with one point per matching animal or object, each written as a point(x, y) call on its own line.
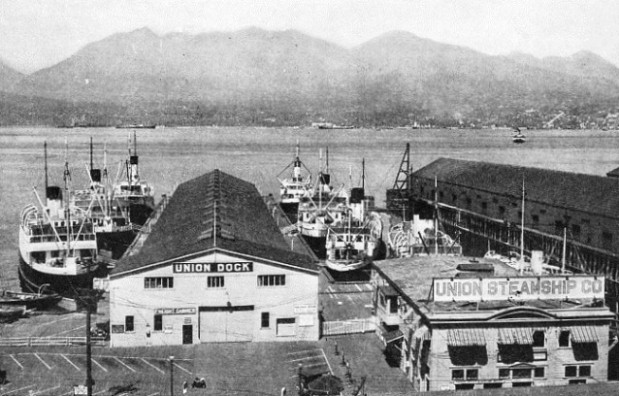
point(317, 244)
point(291, 209)
point(31, 281)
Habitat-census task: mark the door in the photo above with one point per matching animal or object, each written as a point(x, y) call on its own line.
point(187, 334)
point(227, 324)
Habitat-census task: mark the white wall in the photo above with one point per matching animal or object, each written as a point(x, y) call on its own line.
point(128, 296)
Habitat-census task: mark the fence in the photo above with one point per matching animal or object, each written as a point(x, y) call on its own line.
point(348, 326)
point(50, 341)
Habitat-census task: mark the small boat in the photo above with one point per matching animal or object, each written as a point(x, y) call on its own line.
point(518, 136)
point(29, 300)
point(292, 189)
point(11, 314)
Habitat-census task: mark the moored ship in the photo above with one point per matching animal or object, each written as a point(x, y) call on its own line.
point(111, 223)
point(133, 196)
point(292, 189)
point(57, 243)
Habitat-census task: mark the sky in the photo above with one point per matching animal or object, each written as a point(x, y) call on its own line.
point(39, 33)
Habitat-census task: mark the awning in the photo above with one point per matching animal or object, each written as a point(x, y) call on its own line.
point(465, 337)
point(582, 334)
point(515, 336)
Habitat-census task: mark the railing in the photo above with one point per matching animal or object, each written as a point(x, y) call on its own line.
point(348, 327)
point(50, 341)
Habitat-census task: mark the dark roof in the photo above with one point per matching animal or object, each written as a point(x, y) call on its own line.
point(588, 193)
point(224, 203)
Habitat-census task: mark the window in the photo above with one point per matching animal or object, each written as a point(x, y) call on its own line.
point(159, 283)
point(129, 323)
point(493, 385)
point(158, 323)
point(504, 373)
point(271, 280)
point(502, 209)
point(521, 384)
point(472, 374)
point(570, 371)
point(539, 338)
point(265, 320)
point(469, 374)
point(454, 197)
point(578, 382)
point(484, 205)
point(464, 386)
point(584, 371)
point(215, 281)
point(535, 218)
point(539, 372)
point(564, 338)
point(521, 373)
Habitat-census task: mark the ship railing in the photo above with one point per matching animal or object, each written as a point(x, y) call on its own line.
point(63, 238)
point(50, 341)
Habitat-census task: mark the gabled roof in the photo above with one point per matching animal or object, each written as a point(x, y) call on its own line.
point(215, 211)
point(588, 193)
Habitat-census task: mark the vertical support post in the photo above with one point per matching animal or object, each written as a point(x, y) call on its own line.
point(88, 346)
point(299, 379)
point(171, 375)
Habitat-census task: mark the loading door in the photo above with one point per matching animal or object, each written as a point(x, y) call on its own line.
point(227, 324)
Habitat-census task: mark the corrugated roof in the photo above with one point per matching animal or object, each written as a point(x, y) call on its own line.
point(466, 337)
point(215, 210)
point(589, 193)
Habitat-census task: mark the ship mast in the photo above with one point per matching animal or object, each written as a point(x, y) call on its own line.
point(66, 178)
point(46, 180)
point(522, 230)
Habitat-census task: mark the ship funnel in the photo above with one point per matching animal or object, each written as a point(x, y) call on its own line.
point(95, 175)
point(54, 200)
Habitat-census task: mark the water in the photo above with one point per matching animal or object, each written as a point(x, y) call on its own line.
point(169, 156)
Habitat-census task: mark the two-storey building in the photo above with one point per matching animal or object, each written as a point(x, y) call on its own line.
point(458, 324)
point(214, 269)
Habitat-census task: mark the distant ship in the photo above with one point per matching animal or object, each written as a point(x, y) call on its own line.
point(136, 126)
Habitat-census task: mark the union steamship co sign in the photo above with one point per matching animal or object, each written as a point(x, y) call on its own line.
point(524, 288)
point(243, 266)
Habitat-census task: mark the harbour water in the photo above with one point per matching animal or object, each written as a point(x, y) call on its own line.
point(169, 156)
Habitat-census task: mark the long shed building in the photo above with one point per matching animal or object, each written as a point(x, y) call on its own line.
point(483, 203)
point(214, 269)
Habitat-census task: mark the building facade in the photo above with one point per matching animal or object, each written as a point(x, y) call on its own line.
point(457, 328)
point(214, 269)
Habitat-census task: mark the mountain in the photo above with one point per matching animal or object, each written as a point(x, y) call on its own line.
point(287, 77)
point(143, 66)
point(8, 77)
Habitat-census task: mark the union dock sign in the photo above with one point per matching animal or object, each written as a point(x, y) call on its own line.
point(523, 288)
point(244, 266)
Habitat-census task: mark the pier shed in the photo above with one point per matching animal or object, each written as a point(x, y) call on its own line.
point(483, 203)
point(215, 268)
point(454, 327)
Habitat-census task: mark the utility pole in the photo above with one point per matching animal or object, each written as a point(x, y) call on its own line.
point(88, 346)
point(171, 375)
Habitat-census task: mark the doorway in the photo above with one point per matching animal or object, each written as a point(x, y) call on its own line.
point(187, 334)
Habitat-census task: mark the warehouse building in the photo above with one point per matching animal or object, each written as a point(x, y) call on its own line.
point(215, 268)
point(571, 217)
point(458, 325)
